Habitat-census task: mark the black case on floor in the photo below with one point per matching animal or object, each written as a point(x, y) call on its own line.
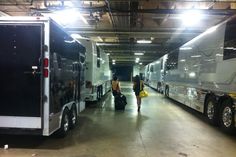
point(120, 102)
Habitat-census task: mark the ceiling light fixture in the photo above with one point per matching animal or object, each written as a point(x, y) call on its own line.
point(191, 18)
point(62, 16)
point(144, 41)
point(100, 38)
point(76, 36)
point(138, 53)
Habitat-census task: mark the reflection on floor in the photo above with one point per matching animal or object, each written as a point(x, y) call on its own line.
point(163, 128)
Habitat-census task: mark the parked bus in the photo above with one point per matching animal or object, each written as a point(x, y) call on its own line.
point(155, 74)
point(146, 74)
point(201, 74)
point(97, 71)
point(40, 81)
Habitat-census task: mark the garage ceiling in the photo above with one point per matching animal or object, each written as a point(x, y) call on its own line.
point(117, 25)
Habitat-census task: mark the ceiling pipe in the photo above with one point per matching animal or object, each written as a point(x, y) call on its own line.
point(161, 11)
point(180, 11)
point(195, 1)
point(110, 13)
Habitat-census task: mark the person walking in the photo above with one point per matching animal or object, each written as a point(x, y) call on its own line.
point(137, 87)
point(115, 86)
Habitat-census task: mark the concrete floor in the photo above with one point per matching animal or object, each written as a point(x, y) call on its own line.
point(163, 128)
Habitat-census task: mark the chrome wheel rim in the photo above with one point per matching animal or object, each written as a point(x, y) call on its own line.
point(210, 110)
point(66, 123)
point(227, 116)
point(73, 117)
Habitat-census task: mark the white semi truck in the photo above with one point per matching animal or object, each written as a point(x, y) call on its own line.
point(41, 77)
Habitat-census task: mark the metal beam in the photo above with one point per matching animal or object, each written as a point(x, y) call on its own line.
point(138, 33)
point(229, 1)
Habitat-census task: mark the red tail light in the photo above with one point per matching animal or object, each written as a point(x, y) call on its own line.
point(45, 72)
point(45, 62)
point(45, 65)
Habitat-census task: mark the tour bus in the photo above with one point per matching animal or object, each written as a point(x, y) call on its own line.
point(146, 74)
point(155, 76)
point(41, 69)
point(202, 75)
point(97, 71)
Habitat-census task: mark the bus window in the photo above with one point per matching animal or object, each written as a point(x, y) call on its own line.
point(172, 60)
point(151, 68)
point(98, 57)
point(230, 40)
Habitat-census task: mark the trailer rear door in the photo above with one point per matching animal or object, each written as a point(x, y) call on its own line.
point(20, 66)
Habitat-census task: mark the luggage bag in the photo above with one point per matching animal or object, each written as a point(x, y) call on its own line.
point(120, 102)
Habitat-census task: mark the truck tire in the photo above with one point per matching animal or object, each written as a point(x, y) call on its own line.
point(62, 132)
point(211, 110)
point(73, 117)
point(227, 116)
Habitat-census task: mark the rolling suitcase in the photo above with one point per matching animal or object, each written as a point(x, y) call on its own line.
point(120, 102)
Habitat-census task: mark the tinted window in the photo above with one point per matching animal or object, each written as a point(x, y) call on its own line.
point(172, 60)
point(98, 57)
point(151, 68)
point(230, 40)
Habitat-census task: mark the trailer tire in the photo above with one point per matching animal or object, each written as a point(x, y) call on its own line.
point(211, 110)
point(62, 132)
point(227, 120)
point(73, 117)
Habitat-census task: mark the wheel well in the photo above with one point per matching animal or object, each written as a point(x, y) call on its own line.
point(218, 101)
point(222, 98)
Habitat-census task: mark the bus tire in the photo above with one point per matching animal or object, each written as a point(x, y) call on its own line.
point(73, 117)
point(227, 116)
point(211, 110)
point(62, 132)
point(167, 91)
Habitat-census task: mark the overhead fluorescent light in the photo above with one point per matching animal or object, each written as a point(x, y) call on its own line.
point(100, 38)
point(140, 63)
point(113, 60)
point(138, 53)
point(144, 41)
point(67, 16)
point(76, 36)
point(113, 63)
point(185, 48)
point(108, 54)
point(136, 61)
point(192, 17)
point(196, 56)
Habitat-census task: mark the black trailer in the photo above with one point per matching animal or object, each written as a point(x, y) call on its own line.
point(41, 70)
